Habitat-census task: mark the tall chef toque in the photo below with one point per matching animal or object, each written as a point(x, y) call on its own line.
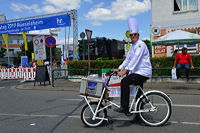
point(133, 25)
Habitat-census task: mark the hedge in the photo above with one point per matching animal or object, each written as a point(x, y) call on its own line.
point(161, 66)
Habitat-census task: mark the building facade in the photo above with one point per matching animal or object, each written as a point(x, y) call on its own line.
point(171, 15)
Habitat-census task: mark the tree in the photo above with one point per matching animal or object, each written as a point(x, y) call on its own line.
point(2, 52)
point(147, 42)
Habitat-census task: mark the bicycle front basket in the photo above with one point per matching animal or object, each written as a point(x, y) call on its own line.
point(91, 87)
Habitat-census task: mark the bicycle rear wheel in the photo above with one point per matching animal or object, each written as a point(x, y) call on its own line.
point(87, 115)
point(159, 113)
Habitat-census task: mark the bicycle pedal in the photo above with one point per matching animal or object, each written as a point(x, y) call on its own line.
point(110, 120)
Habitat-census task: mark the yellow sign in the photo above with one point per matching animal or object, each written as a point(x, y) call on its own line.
point(25, 41)
point(127, 34)
point(5, 38)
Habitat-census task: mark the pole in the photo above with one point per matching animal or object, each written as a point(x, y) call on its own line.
point(51, 65)
point(83, 49)
point(8, 58)
point(88, 58)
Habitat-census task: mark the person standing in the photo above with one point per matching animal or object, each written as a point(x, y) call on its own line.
point(137, 64)
point(183, 61)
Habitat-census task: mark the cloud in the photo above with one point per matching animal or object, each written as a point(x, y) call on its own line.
point(21, 7)
point(89, 1)
point(48, 6)
point(119, 10)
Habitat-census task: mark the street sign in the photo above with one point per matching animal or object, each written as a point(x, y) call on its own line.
point(50, 41)
point(89, 34)
point(39, 48)
point(82, 35)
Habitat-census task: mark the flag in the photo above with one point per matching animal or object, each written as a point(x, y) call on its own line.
point(25, 41)
point(151, 38)
point(5, 38)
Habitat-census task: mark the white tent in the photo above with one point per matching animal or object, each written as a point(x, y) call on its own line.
point(177, 37)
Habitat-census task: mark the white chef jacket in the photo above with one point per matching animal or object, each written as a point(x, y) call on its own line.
point(138, 60)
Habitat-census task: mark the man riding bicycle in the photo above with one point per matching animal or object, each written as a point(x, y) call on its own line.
point(137, 64)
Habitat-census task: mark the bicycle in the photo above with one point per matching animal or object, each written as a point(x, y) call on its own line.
point(154, 107)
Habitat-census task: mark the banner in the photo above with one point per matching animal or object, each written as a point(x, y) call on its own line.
point(35, 24)
point(39, 48)
point(25, 41)
point(5, 38)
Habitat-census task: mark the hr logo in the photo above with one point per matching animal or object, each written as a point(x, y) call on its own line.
point(60, 21)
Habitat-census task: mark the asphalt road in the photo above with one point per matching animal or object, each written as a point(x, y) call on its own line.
point(39, 111)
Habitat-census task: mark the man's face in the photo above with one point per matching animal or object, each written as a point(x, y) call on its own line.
point(134, 37)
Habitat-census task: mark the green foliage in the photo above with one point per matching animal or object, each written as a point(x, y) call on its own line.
point(161, 66)
point(2, 52)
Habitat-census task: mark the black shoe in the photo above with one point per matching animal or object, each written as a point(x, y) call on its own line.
point(127, 113)
point(121, 110)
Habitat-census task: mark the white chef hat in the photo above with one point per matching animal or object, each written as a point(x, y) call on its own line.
point(133, 25)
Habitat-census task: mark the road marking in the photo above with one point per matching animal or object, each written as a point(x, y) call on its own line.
point(73, 99)
point(27, 115)
point(2, 87)
point(191, 123)
point(186, 105)
point(174, 105)
point(126, 119)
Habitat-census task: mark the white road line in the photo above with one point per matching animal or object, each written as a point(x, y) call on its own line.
point(2, 87)
point(186, 105)
point(125, 119)
point(191, 123)
point(72, 99)
point(174, 105)
point(27, 115)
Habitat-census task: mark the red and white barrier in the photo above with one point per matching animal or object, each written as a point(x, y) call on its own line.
point(18, 73)
point(29, 73)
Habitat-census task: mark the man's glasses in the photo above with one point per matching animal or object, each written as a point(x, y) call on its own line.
point(134, 34)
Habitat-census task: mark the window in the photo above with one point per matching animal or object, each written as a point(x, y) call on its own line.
point(185, 5)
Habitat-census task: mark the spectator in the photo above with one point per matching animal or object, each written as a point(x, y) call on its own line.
point(175, 53)
point(35, 63)
point(182, 61)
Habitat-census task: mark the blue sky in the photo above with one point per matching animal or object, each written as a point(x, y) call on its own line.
point(106, 18)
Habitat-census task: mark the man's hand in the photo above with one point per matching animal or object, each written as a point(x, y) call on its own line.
point(123, 72)
point(116, 70)
point(192, 67)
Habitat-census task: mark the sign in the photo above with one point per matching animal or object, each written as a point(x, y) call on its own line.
point(50, 41)
point(35, 24)
point(89, 34)
point(82, 35)
point(160, 50)
point(42, 74)
point(39, 48)
point(115, 84)
point(155, 31)
point(24, 61)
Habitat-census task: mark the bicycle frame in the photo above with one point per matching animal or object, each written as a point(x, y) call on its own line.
point(110, 103)
point(134, 103)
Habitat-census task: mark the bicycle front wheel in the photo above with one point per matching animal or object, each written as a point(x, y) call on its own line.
point(156, 109)
point(87, 115)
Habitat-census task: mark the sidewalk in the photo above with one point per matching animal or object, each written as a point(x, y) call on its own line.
point(66, 85)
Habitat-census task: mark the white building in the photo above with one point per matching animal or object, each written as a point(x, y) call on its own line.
point(170, 15)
